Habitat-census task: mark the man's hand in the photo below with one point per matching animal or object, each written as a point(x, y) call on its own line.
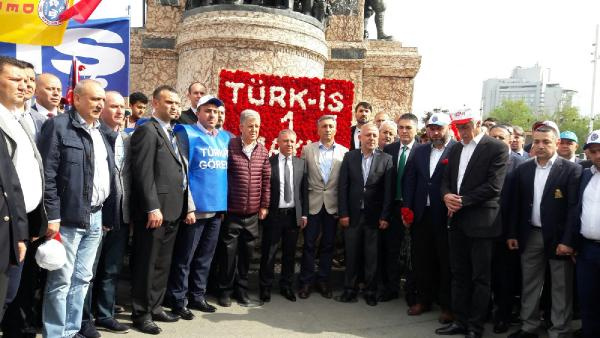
point(262, 213)
point(22, 249)
point(564, 250)
point(383, 224)
point(155, 219)
point(190, 218)
point(52, 230)
point(512, 244)
point(453, 202)
point(345, 221)
point(302, 223)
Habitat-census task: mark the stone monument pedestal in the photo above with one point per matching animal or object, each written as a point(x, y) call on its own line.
point(179, 47)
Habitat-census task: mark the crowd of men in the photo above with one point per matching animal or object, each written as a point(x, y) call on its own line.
point(468, 219)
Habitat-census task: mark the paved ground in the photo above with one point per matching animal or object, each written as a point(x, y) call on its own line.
point(315, 316)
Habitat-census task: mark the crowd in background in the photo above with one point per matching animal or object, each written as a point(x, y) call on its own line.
point(464, 216)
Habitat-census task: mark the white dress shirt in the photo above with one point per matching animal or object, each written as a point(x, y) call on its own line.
point(44, 112)
point(101, 183)
point(247, 149)
point(26, 165)
point(590, 213)
point(356, 137)
point(281, 162)
point(434, 158)
point(366, 161)
point(539, 183)
point(408, 149)
point(465, 157)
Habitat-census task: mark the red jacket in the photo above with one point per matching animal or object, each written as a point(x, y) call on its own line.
point(247, 180)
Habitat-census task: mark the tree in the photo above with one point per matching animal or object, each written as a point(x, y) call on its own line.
point(515, 113)
point(570, 119)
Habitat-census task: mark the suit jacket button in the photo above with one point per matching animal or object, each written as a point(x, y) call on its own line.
point(6, 218)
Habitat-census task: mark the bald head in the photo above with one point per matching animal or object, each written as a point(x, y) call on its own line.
point(88, 99)
point(48, 91)
point(113, 113)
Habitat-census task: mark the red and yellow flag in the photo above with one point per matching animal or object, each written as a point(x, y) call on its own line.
point(33, 22)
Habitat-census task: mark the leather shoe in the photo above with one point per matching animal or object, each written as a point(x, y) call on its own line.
point(243, 300)
point(288, 294)
point(387, 296)
point(371, 299)
point(224, 300)
point(184, 313)
point(417, 309)
point(88, 330)
point(148, 327)
point(522, 334)
point(165, 317)
point(112, 325)
point(265, 294)
point(202, 305)
point(451, 329)
point(446, 317)
point(346, 297)
point(500, 327)
point(473, 334)
point(304, 292)
point(324, 289)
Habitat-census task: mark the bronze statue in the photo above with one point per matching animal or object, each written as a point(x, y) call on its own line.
point(377, 7)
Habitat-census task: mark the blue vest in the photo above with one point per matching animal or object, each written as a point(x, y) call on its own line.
point(207, 167)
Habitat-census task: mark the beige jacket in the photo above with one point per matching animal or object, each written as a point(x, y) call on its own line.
point(319, 193)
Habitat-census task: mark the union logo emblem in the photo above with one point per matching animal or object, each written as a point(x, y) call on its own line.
point(594, 137)
point(49, 11)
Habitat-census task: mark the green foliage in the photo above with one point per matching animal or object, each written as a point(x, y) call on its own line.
point(570, 119)
point(515, 113)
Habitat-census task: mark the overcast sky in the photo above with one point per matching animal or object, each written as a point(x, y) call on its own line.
point(464, 42)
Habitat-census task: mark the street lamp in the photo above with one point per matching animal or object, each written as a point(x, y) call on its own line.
point(595, 62)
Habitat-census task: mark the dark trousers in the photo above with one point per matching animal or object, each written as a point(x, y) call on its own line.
point(152, 252)
point(506, 280)
point(194, 249)
point(322, 224)
point(389, 254)
point(431, 263)
point(24, 313)
point(470, 263)
point(588, 280)
point(279, 227)
point(238, 238)
point(3, 288)
point(109, 267)
point(362, 246)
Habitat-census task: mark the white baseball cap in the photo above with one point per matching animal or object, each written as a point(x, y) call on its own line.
point(439, 119)
point(594, 138)
point(206, 99)
point(465, 115)
point(51, 255)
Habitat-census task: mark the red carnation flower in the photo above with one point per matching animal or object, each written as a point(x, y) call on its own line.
point(407, 215)
point(444, 161)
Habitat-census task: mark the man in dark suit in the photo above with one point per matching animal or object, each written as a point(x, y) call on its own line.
point(518, 141)
point(471, 189)
point(588, 233)
point(195, 91)
point(23, 152)
point(288, 214)
point(422, 179)
point(13, 220)
point(401, 152)
point(158, 202)
point(365, 207)
point(48, 91)
point(506, 268)
point(362, 114)
point(543, 216)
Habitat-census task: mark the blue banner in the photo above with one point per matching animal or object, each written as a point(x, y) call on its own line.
point(102, 46)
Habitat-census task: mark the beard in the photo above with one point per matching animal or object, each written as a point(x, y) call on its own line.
point(439, 141)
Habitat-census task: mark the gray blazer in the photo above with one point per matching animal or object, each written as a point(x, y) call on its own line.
point(319, 193)
point(13, 151)
point(38, 119)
